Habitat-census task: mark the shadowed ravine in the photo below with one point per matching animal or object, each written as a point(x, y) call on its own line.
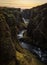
point(41, 55)
point(23, 36)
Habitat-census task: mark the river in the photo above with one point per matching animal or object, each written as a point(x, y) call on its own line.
point(41, 55)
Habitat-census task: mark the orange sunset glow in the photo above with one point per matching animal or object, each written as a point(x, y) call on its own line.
point(21, 3)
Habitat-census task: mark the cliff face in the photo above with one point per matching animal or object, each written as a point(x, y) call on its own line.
point(37, 28)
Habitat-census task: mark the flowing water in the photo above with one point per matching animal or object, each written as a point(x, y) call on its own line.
point(41, 55)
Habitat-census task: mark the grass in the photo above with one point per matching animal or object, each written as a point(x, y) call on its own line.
point(27, 58)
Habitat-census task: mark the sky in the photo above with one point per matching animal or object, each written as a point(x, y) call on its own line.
point(21, 3)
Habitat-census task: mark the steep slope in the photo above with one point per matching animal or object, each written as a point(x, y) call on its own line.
point(37, 28)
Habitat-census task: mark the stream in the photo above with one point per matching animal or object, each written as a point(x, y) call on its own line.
point(40, 54)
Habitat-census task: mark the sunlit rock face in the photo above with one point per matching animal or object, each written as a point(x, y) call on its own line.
point(37, 28)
